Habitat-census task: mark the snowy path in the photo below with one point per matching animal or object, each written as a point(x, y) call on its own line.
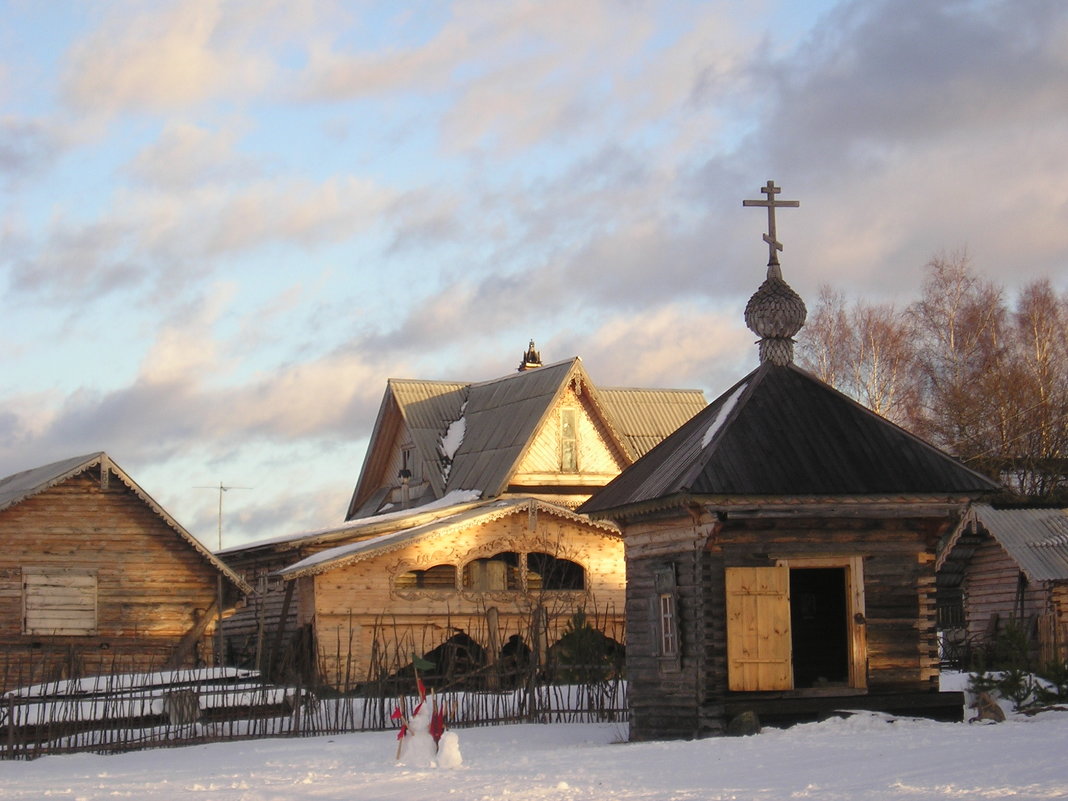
point(857, 758)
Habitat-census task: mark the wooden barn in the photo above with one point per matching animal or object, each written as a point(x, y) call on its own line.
point(780, 550)
point(96, 577)
point(1002, 568)
point(480, 477)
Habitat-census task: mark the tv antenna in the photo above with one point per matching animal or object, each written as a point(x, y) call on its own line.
point(219, 582)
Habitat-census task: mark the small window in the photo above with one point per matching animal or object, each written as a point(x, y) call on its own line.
point(569, 441)
point(546, 572)
point(438, 577)
point(664, 609)
point(58, 601)
point(499, 572)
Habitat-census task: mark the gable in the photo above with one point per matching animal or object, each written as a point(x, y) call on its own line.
point(71, 496)
point(570, 448)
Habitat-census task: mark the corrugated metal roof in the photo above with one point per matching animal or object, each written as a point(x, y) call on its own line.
point(502, 416)
point(17, 487)
point(784, 432)
point(1036, 539)
point(644, 417)
point(20, 486)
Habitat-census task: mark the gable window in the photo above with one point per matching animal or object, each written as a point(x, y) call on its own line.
point(569, 441)
point(438, 577)
point(546, 572)
point(59, 601)
point(498, 572)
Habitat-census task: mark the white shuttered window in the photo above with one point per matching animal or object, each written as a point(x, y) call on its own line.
point(58, 601)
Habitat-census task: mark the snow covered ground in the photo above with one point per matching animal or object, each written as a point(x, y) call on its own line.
point(865, 756)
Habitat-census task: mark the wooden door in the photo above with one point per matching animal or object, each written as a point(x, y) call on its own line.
point(758, 629)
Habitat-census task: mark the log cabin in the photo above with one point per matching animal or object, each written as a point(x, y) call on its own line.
point(443, 457)
point(96, 577)
point(780, 550)
point(1004, 568)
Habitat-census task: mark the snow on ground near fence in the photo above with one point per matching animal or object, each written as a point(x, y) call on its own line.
point(867, 756)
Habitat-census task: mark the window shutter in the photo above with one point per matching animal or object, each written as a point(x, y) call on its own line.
point(758, 629)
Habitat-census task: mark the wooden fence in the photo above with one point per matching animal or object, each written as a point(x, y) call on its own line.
point(123, 712)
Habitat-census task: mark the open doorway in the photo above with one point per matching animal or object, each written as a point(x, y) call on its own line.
point(819, 609)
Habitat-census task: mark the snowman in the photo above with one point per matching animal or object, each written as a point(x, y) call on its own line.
point(418, 749)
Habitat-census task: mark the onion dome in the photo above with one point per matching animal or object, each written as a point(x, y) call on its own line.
point(775, 313)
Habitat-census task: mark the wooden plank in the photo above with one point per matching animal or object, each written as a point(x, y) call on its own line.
point(758, 628)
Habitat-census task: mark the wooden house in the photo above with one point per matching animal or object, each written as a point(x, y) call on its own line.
point(494, 579)
point(1006, 567)
point(95, 577)
point(780, 551)
point(443, 456)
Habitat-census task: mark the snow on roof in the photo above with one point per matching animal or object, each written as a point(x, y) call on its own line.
point(462, 518)
point(722, 414)
point(452, 498)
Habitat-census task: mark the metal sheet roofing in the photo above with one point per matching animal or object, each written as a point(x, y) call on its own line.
point(644, 417)
point(782, 432)
point(1036, 539)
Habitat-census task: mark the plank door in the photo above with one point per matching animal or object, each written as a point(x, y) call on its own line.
point(758, 629)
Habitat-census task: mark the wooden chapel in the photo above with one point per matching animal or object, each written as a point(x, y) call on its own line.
point(780, 549)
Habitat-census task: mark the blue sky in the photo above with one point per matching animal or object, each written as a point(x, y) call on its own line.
point(225, 224)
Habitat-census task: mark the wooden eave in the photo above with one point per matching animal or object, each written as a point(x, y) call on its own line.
point(354, 531)
point(794, 506)
point(385, 429)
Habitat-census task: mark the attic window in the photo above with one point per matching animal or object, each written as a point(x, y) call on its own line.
point(407, 471)
point(569, 441)
point(59, 601)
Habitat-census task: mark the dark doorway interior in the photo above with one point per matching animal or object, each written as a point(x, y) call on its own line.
point(818, 622)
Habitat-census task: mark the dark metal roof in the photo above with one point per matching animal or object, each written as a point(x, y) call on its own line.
point(502, 416)
point(780, 431)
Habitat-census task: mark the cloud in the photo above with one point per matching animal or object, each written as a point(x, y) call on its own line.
point(156, 58)
point(27, 147)
point(682, 345)
point(189, 155)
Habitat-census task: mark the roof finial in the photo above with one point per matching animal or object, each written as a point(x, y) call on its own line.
point(775, 312)
point(531, 359)
point(774, 245)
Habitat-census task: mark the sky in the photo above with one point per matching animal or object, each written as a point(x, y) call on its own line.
point(224, 225)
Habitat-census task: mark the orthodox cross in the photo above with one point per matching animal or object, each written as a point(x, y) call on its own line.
point(771, 203)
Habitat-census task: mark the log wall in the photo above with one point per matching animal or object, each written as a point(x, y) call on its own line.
point(897, 558)
point(151, 586)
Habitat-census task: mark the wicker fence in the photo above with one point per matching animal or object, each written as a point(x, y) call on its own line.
point(123, 712)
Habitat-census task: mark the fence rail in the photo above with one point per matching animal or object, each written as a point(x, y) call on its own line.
point(125, 712)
